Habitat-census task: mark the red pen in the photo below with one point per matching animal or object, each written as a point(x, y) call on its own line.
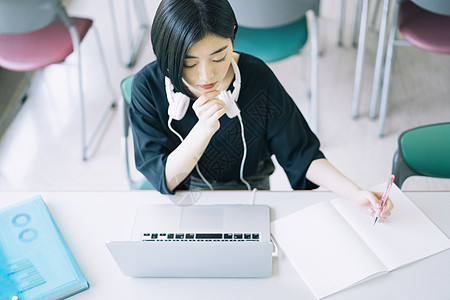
point(384, 198)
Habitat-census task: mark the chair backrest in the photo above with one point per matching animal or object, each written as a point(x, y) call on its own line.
point(125, 86)
point(423, 151)
point(271, 13)
point(19, 16)
point(441, 7)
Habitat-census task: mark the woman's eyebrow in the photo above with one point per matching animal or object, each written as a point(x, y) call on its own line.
point(215, 52)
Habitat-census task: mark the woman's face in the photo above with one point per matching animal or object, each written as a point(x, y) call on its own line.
point(207, 63)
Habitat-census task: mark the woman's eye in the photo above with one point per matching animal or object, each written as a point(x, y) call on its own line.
point(189, 66)
point(220, 60)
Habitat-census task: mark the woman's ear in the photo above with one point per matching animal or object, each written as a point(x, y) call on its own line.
point(235, 30)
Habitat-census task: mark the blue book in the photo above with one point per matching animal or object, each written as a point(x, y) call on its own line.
point(35, 261)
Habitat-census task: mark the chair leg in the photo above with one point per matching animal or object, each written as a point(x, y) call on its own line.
point(341, 23)
point(387, 71)
point(379, 60)
point(125, 135)
point(356, 22)
point(85, 144)
point(76, 50)
point(136, 41)
point(303, 76)
point(29, 81)
point(144, 25)
point(374, 16)
point(104, 64)
point(113, 103)
point(314, 73)
point(131, 183)
point(360, 60)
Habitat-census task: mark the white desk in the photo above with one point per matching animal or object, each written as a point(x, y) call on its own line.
point(88, 219)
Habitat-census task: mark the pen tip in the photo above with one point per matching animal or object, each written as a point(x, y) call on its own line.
point(375, 221)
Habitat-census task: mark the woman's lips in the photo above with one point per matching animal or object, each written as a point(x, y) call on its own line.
point(207, 86)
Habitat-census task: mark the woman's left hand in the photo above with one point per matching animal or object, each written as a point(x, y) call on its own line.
point(323, 173)
point(369, 202)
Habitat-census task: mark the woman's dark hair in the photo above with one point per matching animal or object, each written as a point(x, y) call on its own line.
point(178, 24)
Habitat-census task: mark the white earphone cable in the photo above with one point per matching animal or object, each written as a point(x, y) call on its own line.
point(203, 178)
point(244, 155)
point(252, 198)
point(169, 123)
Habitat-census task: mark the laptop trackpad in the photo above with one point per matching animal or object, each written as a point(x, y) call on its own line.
point(202, 217)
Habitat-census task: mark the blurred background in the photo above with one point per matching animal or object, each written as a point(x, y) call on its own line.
point(40, 140)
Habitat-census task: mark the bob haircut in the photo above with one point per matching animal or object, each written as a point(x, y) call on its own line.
point(178, 24)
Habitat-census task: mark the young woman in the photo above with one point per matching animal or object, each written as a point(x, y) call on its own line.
point(185, 136)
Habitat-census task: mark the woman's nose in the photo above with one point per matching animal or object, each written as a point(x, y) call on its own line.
point(205, 72)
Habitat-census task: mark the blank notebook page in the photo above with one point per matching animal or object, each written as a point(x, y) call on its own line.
point(324, 249)
point(406, 236)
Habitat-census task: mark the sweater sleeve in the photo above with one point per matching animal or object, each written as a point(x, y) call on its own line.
point(291, 139)
point(151, 142)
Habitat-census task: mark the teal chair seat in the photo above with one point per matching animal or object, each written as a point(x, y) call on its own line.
point(275, 30)
point(423, 151)
point(125, 86)
point(285, 41)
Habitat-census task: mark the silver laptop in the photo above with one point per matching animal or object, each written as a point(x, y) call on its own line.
point(197, 241)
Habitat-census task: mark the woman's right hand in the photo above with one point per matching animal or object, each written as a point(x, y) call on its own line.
point(209, 109)
point(183, 159)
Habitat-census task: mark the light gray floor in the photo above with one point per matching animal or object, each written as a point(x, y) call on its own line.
point(41, 148)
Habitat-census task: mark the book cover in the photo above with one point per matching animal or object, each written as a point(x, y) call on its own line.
point(35, 261)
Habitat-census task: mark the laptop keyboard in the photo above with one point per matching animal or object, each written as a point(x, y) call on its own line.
point(200, 237)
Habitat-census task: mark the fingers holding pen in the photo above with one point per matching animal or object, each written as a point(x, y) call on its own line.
point(369, 203)
point(385, 211)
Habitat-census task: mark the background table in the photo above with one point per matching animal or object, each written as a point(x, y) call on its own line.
point(88, 219)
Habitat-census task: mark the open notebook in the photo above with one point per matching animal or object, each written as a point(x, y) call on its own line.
point(335, 246)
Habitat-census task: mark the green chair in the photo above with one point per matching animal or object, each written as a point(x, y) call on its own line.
point(125, 86)
point(423, 151)
point(274, 30)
